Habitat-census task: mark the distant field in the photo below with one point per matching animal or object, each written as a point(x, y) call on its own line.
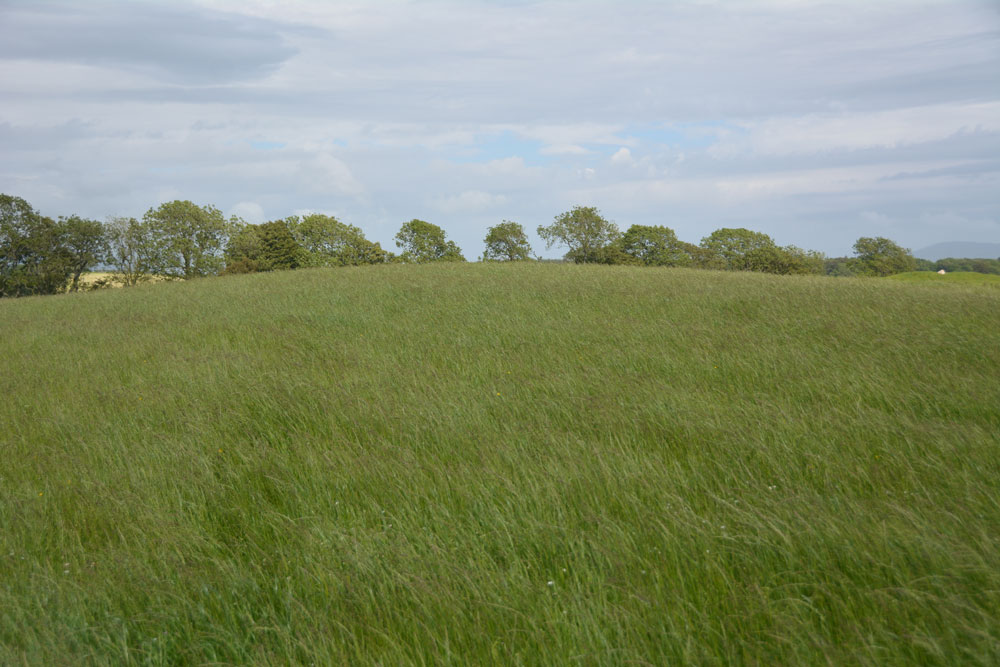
point(958, 278)
point(501, 464)
point(91, 277)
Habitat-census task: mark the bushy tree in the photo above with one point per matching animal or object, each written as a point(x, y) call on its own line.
point(789, 260)
point(423, 242)
point(506, 242)
point(33, 256)
point(700, 258)
point(584, 232)
point(654, 246)
point(879, 256)
point(86, 244)
point(983, 265)
point(133, 250)
point(838, 267)
point(269, 246)
point(244, 249)
point(740, 249)
point(192, 238)
point(326, 241)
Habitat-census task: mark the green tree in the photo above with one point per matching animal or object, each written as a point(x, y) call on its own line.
point(700, 258)
point(423, 242)
point(654, 246)
point(740, 249)
point(507, 242)
point(279, 251)
point(85, 241)
point(838, 267)
point(789, 260)
point(192, 238)
point(269, 246)
point(244, 249)
point(33, 257)
point(879, 256)
point(327, 241)
point(983, 265)
point(132, 250)
point(583, 231)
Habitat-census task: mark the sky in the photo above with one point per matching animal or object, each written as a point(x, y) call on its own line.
point(814, 122)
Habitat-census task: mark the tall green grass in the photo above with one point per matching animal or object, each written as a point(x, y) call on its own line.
point(496, 464)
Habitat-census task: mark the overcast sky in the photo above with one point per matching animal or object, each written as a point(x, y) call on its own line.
point(815, 122)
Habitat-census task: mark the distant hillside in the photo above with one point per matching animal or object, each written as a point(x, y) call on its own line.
point(959, 249)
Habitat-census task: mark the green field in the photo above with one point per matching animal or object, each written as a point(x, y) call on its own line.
point(966, 278)
point(501, 464)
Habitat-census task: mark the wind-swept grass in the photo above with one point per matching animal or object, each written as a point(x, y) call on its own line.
point(478, 464)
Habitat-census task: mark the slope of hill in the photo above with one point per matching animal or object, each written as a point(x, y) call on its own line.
point(487, 464)
point(959, 249)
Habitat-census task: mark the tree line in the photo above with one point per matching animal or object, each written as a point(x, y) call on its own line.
point(179, 239)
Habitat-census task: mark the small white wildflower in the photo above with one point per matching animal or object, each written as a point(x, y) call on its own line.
point(552, 583)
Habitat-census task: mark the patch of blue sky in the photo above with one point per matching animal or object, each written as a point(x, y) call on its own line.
point(700, 134)
point(266, 145)
point(501, 145)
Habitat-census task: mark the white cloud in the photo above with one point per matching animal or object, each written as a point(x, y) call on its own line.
point(249, 211)
point(563, 149)
point(859, 130)
point(622, 156)
point(327, 173)
point(816, 181)
point(470, 201)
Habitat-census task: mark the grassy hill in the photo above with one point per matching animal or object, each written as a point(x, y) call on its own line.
point(478, 464)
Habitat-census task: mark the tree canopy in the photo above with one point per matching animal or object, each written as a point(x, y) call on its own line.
point(132, 250)
point(86, 243)
point(654, 246)
point(192, 238)
point(506, 242)
point(740, 249)
point(326, 241)
point(583, 231)
point(878, 256)
point(34, 258)
point(423, 242)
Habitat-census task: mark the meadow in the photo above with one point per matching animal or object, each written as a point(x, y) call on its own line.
point(501, 464)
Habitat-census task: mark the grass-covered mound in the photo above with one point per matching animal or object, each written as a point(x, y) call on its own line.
point(492, 463)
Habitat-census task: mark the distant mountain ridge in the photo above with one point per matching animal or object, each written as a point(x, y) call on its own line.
point(959, 249)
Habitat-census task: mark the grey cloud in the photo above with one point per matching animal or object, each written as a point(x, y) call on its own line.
point(174, 43)
point(403, 85)
point(15, 138)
